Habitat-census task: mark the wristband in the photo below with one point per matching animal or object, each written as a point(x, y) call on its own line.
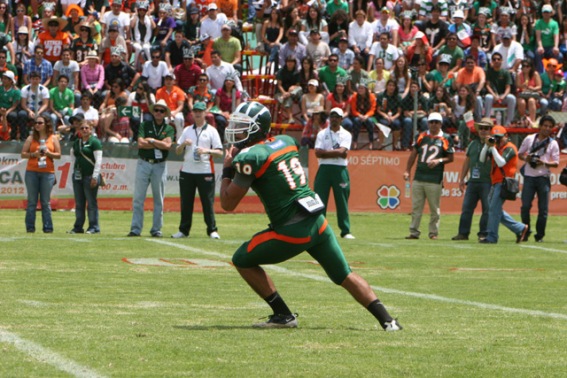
point(228, 172)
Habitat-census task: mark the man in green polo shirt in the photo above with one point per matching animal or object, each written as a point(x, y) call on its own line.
point(154, 141)
point(10, 97)
point(61, 101)
point(329, 73)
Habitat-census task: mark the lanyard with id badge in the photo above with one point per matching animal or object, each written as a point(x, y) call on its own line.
point(158, 155)
point(196, 156)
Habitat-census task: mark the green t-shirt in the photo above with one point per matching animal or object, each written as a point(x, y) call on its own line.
point(227, 49)
point(9, 97)
point(558, 85)
point(150, 129)
point(330, 78)
point(62, 100)
point(498, 80)
point(430, 147)
point(478, 172)
point(455, 54)
point(545, 83)
point(87, 149)
point(438, 78)
point(332, 7)
point(279, 179)
point(422, 103)
point(548, 31)
point(387, 103)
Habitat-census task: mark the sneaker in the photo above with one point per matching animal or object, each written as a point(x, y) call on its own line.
point(214, 235)
point(412, 237)
point(522, 234)
point(460, 237)
point(348, 236)
point(279, 321)
point(92, 232)
point(392, 326)
point(73, 231)
point(178, 235)
point(157, 234)
point(132, 233)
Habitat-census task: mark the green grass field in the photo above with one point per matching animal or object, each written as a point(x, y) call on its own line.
point(71, 306)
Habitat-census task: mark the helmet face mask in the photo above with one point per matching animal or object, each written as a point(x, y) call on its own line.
point(249, 124)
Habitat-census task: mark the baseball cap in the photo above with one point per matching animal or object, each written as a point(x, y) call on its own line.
point(547, 8)
point(337, 111)
point(310, 82)
point(559, 72)
point(171, 75)
point(458, 14)
point(385, 10)
point(199, 105)
point(10, 75)
point(435, 117)
point(117, 2)
point(194, 11)
point(506, 34)
point(113, 27)
point(445, 59)
point(79, 117)
point(498, 131)
point(212, 6)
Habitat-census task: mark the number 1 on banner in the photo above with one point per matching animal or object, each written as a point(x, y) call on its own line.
point(64, 174)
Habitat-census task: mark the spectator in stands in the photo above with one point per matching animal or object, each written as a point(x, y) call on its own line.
point(118, 69)
point(340, 98)
point(119, 130)
point(10, 97)
point(175, 99)
point(356, 74)
point(502, 26)
point(429, 8)
point(512, 53)
point(464, 102)
point(409, 113)
point(20, 19)
point(192, 26)
point(419, 50)
point(230, 9)
point(54, 40)
point(92, 77)
point(38, 64)
point(386, 24)
point(389, 113)
point(452, 53)
point(6, 19)
point(476, 52)
point(112, 41)
point(74, 15)
point(87, 111)
point(175, 50)
point(474, 77)
point(87, 153)
point(552, 94)
point(547, 38)
point(61, 102)
point(360, 34)
point(292, 48)
point(314, 21)
point(329, 74)
point(84, 42)
point(315, 123)
point(187, 73)
point(201, 93)
point(338, 26)
point(380, 77)
point(108, 108)
point(23, 50)
point(229, 48)
point(288, 89)
point(116, 18)
point(317, 49)
point(227, 99)
point(421, 76)
point(498, 85)
point(334, 6)
point(143, 99)
point(199, 143)
point(154, 71)
point(385, 50)
point(142, 27)
point(211, 25)
point(70, 68)
point(434, 28)
point(407, 31)
point(557, 91)
point(401, 75)
point(434, 149)
point(40, 171)
point(219, 70)
point(526, 35)
point(540, 152)
point(481, 28)
point(345, 55)
point(529, 87)
point(362, 109)
point(504, 160)
point(34, 100)
point(154, 142)
point(272, 32)
point(311, 99)
point(442, 103)
point(484, 6)
point(165, 24)
point(477, 187)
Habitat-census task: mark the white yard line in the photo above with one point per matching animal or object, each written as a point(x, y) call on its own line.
point(431, 297)
point(47, 356)
point(543, 248)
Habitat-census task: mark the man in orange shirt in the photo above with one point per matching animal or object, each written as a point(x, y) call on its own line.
point(175, 99)
point(504, 155)
point(53, 39)
point(229, 8)
point(473, 76)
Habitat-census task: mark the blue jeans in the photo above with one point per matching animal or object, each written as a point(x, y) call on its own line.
point(407, 129)
point(497, 215)
point(85, 196)
point(357, 125)
point(475, 192)
point(39, 184)
point(532, 186)
point(148, 174)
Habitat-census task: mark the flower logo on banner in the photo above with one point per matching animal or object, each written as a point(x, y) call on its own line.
point(388, 197)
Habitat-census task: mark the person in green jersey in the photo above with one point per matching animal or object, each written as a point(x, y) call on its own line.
point(271, 167)
point(478, 184)
point(61, 101)
point(87, 151)
point(547, 38)
point(434, 148)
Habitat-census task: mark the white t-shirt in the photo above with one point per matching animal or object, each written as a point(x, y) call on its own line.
point(509, 54)
point(122, 21)
point(213, 27)
point(204, 137)
point(155, 74)
point(68, 71)
point(90, 115)
point(327, 139)
point(35, 99)
point(390, 54)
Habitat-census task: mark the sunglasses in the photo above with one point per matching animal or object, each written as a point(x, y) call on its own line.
point(39, 122)
point(159, 110)
point(84, 29)
point(84, 128)
point(155, 57)
point(485, 128)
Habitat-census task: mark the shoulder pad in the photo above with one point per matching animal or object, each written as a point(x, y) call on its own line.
point(250, 159)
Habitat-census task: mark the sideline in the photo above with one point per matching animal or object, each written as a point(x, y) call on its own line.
point(44, 355)
point(432, 297)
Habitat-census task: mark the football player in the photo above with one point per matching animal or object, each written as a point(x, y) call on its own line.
point(271, 167)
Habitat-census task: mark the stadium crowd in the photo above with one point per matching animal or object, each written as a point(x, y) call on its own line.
point(88, 59)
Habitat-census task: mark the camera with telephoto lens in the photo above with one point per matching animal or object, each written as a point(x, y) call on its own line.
point(532, 160)
point(493, 140)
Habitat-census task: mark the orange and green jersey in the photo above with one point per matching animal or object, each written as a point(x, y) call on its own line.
point(430, 147)
point(279, 179)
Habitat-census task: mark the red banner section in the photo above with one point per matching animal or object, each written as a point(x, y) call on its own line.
point(377, 184)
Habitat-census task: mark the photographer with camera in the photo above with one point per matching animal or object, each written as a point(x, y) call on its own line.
point(540, 152)
point(504, 156)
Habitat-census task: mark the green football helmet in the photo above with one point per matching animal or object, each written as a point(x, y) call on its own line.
point(249, 124)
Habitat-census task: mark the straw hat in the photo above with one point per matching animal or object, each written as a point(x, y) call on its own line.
point(161, 104)
point(86, 24)
point(93, 55)
point(62, 23)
